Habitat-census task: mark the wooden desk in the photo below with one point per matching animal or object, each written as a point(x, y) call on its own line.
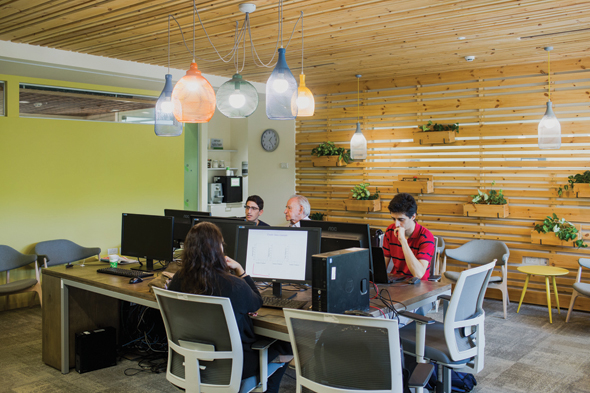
point(79, 298)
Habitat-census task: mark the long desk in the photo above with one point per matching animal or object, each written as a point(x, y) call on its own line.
point(78, 299)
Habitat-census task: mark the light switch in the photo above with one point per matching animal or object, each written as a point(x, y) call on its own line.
point(284, 165)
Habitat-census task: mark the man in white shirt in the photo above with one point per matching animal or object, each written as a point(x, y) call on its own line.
point(297, 209)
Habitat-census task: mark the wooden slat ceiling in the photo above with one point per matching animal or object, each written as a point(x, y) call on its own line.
point(376, 38)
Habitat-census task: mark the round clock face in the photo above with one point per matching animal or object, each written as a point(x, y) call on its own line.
point(269, 140)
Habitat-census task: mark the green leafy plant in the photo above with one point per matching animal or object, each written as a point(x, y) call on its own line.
point(493, 198)
point(577, 178)
point(317, 216)
point(330, 149)
point(361, 192)
point(440, 127)
point(563, 229)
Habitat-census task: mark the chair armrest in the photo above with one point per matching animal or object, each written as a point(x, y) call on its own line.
point(262, 343)
point(434, 278)
point(417, 317)
point(446, 298)
point(421, 375)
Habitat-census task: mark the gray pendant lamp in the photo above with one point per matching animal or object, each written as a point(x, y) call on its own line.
point(358, 143)
point(549, 129)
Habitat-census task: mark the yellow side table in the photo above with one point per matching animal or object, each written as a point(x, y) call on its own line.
point(547, 271)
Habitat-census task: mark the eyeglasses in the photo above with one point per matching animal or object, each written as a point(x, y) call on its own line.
point(251, 208)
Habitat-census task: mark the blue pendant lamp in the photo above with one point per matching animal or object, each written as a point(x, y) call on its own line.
point(165, 123)
point(358, 143)
point(549, 129)
point(281, 91)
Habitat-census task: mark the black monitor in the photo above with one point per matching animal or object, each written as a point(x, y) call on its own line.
point(341, 235)
point(183, 222)
point(185, 214)
point(278, 254)
point(229, 230)
point(149, 237)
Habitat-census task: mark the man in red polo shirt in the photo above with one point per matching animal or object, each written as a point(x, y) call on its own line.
point(408, 244)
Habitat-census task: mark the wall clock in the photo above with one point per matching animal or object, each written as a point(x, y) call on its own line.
point(269, 140)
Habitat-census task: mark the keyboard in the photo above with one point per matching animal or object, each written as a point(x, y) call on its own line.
point(124, 272)
point(275, 302)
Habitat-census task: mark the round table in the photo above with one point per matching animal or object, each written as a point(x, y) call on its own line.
point(547, 271)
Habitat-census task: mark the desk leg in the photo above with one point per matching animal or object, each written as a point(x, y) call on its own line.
point(548, 297)
point(556, 295)
point(65, 329)
point(526, 283)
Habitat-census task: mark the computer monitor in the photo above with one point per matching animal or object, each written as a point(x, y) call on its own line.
point(183, 222)
point(278, 254)
point(149, 237)
point(229, 230)
point(342, 235)
point(185, 214)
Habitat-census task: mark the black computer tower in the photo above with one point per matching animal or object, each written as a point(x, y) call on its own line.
point(95, 349)
point(231, 186)
point(340, 281)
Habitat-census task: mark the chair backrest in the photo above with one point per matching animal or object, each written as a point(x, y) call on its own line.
point(12, 259)
point(584, 262)
point(337, 353)
point(479, 252)
point(204, 344)
point(464, 318)
point(439, 248)
point(62, 251)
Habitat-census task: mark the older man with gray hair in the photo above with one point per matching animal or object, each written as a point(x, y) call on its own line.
point(297, 209)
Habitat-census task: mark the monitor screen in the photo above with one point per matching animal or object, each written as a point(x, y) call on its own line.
point(278, 254)
point(148, 237)
point(229, 230)
point(185, 214)
point(183, 222)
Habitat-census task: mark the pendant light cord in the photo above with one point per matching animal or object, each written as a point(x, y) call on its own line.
point(358, 98)
point(302, 43)
point(169, 43)
point(549, 73)
point(194, 8)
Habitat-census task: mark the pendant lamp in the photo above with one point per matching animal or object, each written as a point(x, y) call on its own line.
point(549, 129)
point(165, 124)
point(281, 91)
point(237, 98)
point(358, 143)
point(305, 100)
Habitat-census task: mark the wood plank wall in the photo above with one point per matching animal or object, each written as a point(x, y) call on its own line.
point(498, 110)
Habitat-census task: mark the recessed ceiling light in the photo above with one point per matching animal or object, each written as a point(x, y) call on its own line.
point(24, 102)
point(114, 110)
point(37, 104)
point(460, 38)
point(147, 113)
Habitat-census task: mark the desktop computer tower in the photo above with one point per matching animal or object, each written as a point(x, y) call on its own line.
point(340, 281)
point(95, 349)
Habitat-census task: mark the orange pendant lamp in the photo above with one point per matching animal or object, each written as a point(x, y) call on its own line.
point(193, 97)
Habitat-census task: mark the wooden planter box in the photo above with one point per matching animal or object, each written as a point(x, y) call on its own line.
point(582, 190)
point(549, 239)
point(362, 206)
point(406, 183)
point(434, 137)
point(477, 210)
point(327, 161)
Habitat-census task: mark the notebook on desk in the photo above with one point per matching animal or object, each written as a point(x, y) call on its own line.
point(380, 270)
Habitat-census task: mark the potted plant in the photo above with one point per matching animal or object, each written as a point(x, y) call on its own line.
point(487, 205)
point(557, 232)
point(362, 200)
point(317, 216)
point(583, 187)
point(416, 184)
point(327, 154)
point(436, 133)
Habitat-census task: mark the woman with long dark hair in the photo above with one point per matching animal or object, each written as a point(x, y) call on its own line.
point(206, 270)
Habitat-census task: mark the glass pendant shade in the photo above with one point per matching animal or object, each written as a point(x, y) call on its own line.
point(193, 98)
point(358, 144)
point(165, 122)
point(549, 130)
point(305, 100)
point(281, 92)
point(237, 98)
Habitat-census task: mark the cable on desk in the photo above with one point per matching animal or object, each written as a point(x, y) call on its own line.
point(384, 316)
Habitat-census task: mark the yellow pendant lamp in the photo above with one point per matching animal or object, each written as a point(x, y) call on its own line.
point(305, 100)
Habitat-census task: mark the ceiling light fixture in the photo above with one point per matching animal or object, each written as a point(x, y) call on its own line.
point(305, 100)
point(549, 129)
point(358, 143)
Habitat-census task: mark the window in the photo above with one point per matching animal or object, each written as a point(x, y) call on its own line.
point(66, 103)
point(2, 100)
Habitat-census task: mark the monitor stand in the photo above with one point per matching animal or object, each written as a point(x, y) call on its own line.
point(277, 291)
point(148, 267)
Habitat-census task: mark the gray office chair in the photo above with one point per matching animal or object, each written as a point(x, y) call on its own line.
point(204, 345)
point(580, 288)
point(439, 248)
point(61, 251)
point(345, 353)
point(458, 342)
point(11, 259)
point(477, 252)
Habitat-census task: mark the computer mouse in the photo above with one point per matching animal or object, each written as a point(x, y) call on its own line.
point(135, 280)
point(414, 280)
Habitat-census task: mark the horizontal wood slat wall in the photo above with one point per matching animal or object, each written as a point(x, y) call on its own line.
point(498, 110)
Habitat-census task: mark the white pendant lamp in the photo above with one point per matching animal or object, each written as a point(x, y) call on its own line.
point(549, 129)
point(358, 143)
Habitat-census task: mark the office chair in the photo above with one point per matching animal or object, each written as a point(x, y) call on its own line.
point(61, 251)
point(439, 248)
point(204, 345)
point(458, 342)
point(11, 259)
point(478, 252)
point(345, 353)
point(580, 288)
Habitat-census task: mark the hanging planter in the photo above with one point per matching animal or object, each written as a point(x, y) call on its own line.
point(414, 184)
point(487, 205)
point(327, 154)
point(557, 232)
point(430, 134)
point(578, 185)
point(361, 200)
point(327, 161)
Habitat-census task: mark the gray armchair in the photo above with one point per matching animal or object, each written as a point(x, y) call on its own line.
point(479, 252)
point(580, 288)
point(61, 251)
point(11, 259)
